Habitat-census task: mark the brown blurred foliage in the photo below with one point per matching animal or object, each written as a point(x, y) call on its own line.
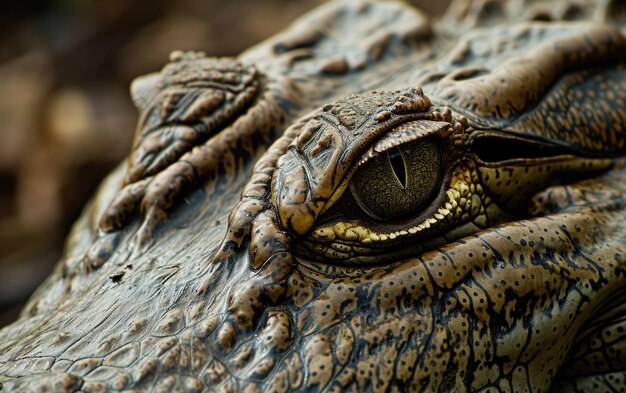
point(66, 118)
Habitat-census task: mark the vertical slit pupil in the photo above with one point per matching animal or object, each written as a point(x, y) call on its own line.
point(397, 163)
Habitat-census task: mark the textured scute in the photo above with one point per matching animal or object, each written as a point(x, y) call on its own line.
point(189, 270)
point(539, 79)
point(193, 90)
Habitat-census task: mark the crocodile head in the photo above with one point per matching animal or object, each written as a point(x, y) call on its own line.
point(461, 231)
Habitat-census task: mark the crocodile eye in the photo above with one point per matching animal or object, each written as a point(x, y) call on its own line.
point(399, 182)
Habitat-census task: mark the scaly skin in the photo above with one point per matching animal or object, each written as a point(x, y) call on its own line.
point(233, 251)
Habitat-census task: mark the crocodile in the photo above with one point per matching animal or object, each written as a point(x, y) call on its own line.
point(371, 200)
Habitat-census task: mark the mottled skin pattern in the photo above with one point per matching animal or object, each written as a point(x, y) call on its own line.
point(232, 251)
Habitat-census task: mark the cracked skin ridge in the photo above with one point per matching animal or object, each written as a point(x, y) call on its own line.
point(230, 253)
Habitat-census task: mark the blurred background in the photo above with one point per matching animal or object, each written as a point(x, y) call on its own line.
point(66, 118)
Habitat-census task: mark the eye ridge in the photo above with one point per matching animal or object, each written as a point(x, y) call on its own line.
point(399, 166)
